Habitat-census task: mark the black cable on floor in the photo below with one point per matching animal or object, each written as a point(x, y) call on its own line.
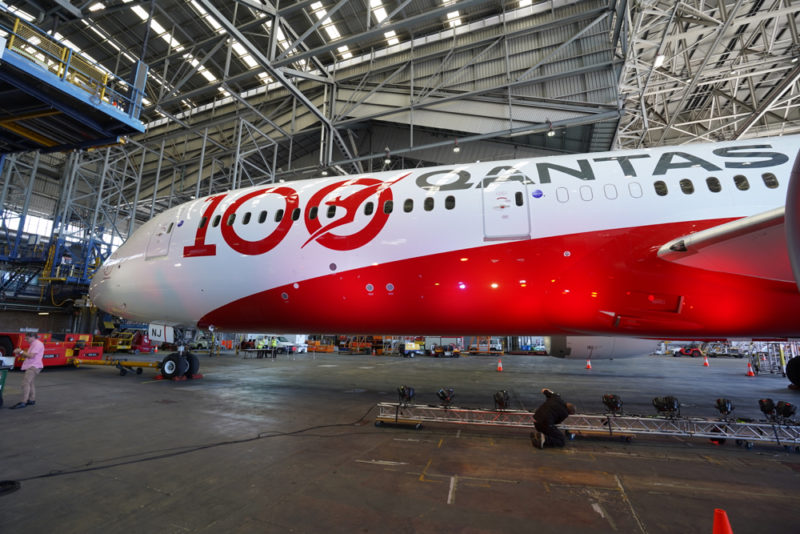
point(10, 486)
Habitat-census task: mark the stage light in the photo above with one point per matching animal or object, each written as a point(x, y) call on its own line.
point(725, 407)
point(613, 403)
point(501, 400)
point(446, 395)
point(405, 394)
point(767, 407)
point(668, 406)
point(785, 409)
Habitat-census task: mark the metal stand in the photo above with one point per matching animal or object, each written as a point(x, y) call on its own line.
point(745, 433)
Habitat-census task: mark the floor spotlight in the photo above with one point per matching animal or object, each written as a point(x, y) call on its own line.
point(725, 407)
point(446, 395)
point(405, 394)
point(767, 407)
point(785, 409)
point(668, 406)
point(501, 400)
point(613, 404)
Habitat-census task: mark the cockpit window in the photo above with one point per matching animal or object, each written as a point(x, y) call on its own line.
point(262, 217)
point(216, 220)
point(231, 218)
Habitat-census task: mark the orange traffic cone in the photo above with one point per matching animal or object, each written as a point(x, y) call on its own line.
point(499, 365)
point(705, 361)
point(721, 523)
point(588, 364)
point(750, 370)
point(155, 349)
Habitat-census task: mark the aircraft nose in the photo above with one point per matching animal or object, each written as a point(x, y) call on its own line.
point(101, 289)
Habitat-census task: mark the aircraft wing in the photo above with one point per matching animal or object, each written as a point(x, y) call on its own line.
point(753, 246)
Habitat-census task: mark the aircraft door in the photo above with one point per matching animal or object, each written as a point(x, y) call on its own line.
point(505, 210)
point(159, 241)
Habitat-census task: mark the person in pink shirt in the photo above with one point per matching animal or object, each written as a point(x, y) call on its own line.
point(32, 366)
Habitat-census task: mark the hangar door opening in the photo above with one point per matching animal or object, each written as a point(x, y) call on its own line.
point(505, 210)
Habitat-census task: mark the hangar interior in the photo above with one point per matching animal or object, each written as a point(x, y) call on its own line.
point(249, 92)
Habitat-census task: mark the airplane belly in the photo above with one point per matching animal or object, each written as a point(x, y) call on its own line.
point(549, 286)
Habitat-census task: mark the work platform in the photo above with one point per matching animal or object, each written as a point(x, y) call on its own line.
point(54, 99)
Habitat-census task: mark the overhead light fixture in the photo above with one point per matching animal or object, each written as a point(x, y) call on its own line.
point(550, 132)
point(387, 160)
point(456, 148)
point(324, 172)
point(658, 61)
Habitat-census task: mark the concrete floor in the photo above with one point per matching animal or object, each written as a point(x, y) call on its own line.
point(289, 445)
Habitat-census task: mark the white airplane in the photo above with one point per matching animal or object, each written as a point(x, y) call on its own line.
point(692, 242)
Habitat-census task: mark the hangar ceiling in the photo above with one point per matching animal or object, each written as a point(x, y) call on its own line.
point(251, 91)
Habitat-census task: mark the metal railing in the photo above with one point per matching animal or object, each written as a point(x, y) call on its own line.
point(49, 54)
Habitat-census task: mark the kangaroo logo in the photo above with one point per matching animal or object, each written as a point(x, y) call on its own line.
point(351, 204)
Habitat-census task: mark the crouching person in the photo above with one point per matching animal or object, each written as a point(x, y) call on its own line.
point(551, 412)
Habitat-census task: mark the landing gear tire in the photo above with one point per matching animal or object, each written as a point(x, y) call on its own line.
point(183, 366)
point(793, 371)
point(194, 365)
point(169, 366)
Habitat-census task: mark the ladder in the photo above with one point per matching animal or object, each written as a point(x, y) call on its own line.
point(785, 434)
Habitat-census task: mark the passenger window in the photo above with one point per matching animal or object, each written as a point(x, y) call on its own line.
point(169, 228)
point(428, 203)
point(741, 182)
point(312, 213)
point(408, 205)
point(586, 192)
point(713, 184)
point(635, 190)
point(449, 202)
point(216, 220)
point(687, 186)
point(203, 221)
point(518, 198)
point(770, 180)
point(369, 207)
point(388, 206)
point(278, 215)
point(661, 188)
point(562, 194)
point(331, 211)
point(610, 191)
point(246, 218)
point(295, 214)
point(262, 217)
point(231, 218)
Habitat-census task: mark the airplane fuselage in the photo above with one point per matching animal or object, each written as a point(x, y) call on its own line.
point(553, 245)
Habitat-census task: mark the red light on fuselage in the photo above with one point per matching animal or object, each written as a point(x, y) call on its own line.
point(494, 285)
point(462, 285)
point(464, 259)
